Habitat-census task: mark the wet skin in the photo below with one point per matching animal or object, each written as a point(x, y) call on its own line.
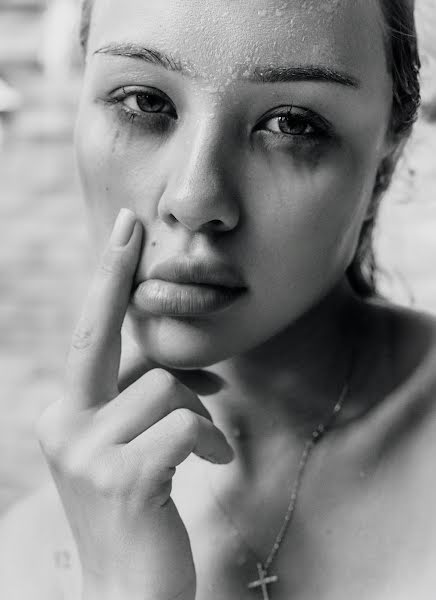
point(212, 174)
point(211, 170)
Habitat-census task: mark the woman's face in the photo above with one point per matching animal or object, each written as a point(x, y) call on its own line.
point(257, 146)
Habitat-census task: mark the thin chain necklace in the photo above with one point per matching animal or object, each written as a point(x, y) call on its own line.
point(264, 579)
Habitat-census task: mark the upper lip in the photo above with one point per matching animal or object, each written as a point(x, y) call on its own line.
point(189, 270)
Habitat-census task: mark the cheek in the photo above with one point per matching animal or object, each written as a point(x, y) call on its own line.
point(115, 171)
point(308, 216)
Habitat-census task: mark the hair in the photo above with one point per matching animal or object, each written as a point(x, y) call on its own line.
point(404, 64)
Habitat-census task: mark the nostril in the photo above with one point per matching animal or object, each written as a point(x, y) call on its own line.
point(215, 225)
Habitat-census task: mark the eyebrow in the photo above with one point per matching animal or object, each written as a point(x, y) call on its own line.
point(260, 74)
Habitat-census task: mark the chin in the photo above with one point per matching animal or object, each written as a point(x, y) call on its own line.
point(180, 343)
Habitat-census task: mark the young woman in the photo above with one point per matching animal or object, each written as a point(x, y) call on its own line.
point(248, 145)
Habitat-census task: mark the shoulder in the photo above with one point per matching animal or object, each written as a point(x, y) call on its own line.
point(407, 413)
point(38, 558)
point(412, 346)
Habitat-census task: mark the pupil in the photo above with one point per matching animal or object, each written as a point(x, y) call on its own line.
point(149, 102)
point(292, 125)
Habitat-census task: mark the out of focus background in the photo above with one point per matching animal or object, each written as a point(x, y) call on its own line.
point(44, 248)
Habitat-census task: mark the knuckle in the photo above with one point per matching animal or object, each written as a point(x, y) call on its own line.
point(87, 471)
point(113, 262)
point(112, 477)
point(48, 433)
point(157, 492)
point(43, 426)
point(188, 421)
point(50, 442)
point(74, 464)
point(165, 380)
point(83, 337)
point(105, 481)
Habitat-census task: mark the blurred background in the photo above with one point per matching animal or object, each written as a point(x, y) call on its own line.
point(44, 249)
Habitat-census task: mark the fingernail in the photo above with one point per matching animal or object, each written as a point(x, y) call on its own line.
point(210, 459)
point(221, 460)
point(224, 458)
point(231, 453)
point(123, 227)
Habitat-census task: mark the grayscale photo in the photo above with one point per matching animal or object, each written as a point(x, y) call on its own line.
point(217, 299)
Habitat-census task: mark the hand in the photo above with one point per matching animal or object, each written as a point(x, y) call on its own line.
point(112, 455)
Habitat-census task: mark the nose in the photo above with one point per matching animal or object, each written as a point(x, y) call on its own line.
point(201, 193)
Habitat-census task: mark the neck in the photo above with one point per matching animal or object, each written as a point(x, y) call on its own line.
point(290, 384)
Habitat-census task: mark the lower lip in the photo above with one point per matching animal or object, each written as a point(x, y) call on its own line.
point(160, 297)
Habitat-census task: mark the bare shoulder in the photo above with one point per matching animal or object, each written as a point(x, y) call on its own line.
point(410, 405)
point(38, 558)
point(413, 344)
point(414, 348)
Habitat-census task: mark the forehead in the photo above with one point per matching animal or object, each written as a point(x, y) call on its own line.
point(218, 38)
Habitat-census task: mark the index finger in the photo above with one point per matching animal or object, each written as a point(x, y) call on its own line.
point(94, 357)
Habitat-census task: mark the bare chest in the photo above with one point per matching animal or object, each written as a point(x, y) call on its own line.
point(358, 557)
point(369, 535)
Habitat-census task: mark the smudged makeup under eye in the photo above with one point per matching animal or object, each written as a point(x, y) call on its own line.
point(289, 124)
point(298, 121)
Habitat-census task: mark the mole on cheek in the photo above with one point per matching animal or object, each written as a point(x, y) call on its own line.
point(153, 244)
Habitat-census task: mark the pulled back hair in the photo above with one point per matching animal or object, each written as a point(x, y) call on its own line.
point(404, 65)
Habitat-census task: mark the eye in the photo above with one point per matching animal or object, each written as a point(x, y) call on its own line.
point(297, 122)
point(140, 102)
point(146, 102)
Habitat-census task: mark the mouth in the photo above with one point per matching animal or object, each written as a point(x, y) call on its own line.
point(160, 297)
point(187, 287)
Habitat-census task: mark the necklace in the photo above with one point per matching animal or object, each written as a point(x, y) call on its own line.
point(264, 579)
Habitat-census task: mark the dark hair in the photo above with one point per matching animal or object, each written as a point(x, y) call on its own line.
point(404, 64)
point(85, 22)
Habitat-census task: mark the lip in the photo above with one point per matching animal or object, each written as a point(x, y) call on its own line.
point(187, 287)
point(205, 272)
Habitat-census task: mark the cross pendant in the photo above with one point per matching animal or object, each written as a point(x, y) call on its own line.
point(263, 581)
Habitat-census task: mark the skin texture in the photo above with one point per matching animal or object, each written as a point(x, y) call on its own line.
point(271, 196)
point(287, 213)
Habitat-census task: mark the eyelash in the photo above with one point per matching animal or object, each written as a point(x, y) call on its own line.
point(304, 118)
point(158, 118)
point(320, 128)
